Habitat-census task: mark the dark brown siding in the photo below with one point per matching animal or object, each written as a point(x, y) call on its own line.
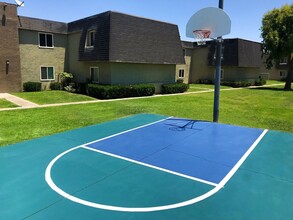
point(237, 53)
point(140, 40)
point(100, 23)
point(10, 77)
point(230, 53)
point(249, 53)
point(126, 38)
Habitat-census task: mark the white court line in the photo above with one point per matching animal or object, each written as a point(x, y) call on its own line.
point(151, 166)
point(124, 132)
point(143, 209)
point(241, 161)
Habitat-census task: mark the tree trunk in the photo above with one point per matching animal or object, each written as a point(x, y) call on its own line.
point(289, 75)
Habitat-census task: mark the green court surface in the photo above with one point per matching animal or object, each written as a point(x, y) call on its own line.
point(262, 187)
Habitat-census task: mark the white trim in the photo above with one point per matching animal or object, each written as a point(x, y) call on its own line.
point(181, 77)
point(241, 161)
point(151, 166)
point(88, 43)
point(44, 80)
point(46, 47)
point(222, 74)
point(284, 61)
point(95, 67)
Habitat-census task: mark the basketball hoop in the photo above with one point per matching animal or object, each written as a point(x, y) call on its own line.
point(201, 36)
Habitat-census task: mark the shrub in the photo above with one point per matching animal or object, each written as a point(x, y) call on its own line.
point(65, 79)
point(174, 88)
point(236, 84)
point(32, 86)
point(204, 81)
point(260, 82)
point(55, 86)
point(120, 91)
point(82, 88)
point(70, 88)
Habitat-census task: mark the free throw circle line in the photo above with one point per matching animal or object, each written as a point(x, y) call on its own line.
point(61, 192)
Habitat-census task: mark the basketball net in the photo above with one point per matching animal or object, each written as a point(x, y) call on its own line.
point(201, 36)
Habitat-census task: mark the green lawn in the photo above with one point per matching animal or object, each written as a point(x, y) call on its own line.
point(203, 87)
point(51, 97)
point(260, 108)
point(272, 82)
point(206, 87)
point(6, 104)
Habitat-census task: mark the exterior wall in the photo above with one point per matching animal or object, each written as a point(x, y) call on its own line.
point(33, 57)
point(199, 68)
point(275, 72)
point(240, 73)
point(81, 69)
point(128, 73)
point(234, 67)
point(10, 75)
point(115, 72)
point(72, 65)
point(185, 67)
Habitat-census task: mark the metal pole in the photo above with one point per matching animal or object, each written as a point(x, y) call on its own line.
point(218, 73)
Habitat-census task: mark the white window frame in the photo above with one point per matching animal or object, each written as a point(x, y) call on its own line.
point(46, 40)
point(284, 61)
point(96, 78)
point(180, 75)
point(90, 41)
point(222, 74)
point(47, 79)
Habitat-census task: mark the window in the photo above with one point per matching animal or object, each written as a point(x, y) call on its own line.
point(47, 73)
point(90, 39)
point(283, 74)
point(222, 74)
point(94, 71)
point(46, 40)
point(284, 61)
point(181, 73)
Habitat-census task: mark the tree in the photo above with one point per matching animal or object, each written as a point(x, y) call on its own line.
point(277, 34)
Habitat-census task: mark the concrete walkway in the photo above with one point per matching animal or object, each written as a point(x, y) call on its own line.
point(18, 101)
point(24, 104)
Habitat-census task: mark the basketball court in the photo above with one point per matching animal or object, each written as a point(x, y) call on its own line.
point(150, 167)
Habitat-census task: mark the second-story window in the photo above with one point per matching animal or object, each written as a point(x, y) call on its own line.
point(46, 40)
point(90, 39)
point(284, 61)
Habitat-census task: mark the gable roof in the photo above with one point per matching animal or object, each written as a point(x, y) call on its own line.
point(127, 38)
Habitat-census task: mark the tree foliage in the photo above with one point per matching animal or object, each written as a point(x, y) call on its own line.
point(277, 34)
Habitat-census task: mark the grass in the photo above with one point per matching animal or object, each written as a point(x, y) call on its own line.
point(203, 87)
point(260, 108)
point(52, 97)
point(6, 104)
point(206, 87)
point(272, 82)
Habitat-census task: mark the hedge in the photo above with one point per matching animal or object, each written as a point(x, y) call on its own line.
point(32, 86)
point(55, 86)
point(237, 84)
point(174, 88)
point(120, 91)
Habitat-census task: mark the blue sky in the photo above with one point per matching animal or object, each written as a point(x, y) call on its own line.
point(246, 15)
